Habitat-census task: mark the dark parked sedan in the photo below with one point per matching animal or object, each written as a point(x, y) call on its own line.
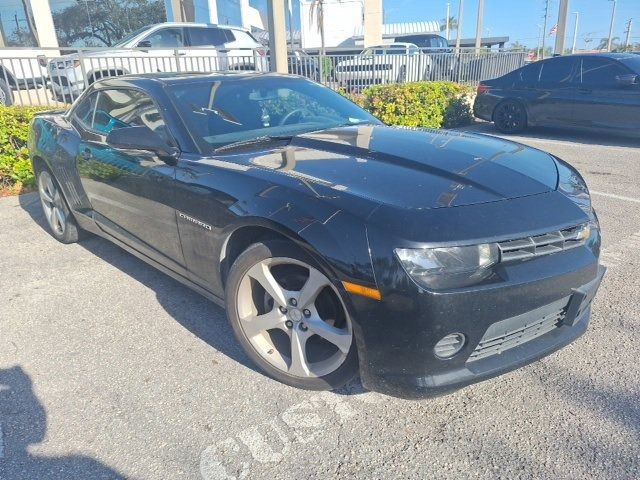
point(599, 91)
point(423, 260)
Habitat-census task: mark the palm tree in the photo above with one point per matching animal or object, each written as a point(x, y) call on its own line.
point(604, 42)
point(317, 10)
point(517, 46)
point(453, 24)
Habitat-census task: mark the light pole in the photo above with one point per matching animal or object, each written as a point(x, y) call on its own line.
point(447, 20)
point(613, 17)
point(575, 32)
point(460, 16)
point(479, 25)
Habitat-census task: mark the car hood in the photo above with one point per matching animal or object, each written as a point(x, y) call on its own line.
point(413, 168)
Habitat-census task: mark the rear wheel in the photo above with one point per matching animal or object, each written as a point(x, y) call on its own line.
point(62, 225)
point(290, 318)
point(510, 117)
point(5, 93)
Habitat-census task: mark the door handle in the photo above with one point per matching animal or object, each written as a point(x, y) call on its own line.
point(86, 154)
point(584, 90)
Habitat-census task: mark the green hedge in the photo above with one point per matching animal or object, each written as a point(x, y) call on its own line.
point(15, 167)
point(419, 104)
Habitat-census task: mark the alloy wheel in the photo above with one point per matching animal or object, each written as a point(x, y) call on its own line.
point(52, 203)
point(293, 317)
point(510, 117)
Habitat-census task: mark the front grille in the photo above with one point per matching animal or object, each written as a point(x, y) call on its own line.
point(510, 333)
point(364, 68)
point(550, 242)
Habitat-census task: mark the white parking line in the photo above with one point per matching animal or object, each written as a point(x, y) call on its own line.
point(618, 197)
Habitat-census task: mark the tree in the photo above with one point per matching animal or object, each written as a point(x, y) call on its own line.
point(517, 46)
point(317, 10)
point(453, 24)
point(604, 42)
point(104, 23)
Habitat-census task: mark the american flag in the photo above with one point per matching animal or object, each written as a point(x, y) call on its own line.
point(553, 30)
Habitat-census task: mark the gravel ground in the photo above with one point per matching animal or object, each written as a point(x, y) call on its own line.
point(109, 369)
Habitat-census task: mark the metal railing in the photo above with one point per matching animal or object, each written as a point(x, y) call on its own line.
point(49, 77)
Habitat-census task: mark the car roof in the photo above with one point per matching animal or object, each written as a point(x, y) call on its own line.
point(196, 24)
point(394, 45)
point(145, 80)
point(611, 55)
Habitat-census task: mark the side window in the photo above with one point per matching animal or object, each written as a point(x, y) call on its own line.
point(209, 37)
point(530, 74)
point(166, 38)
point(127, 108)
point(600, 72)
point(83, 113)
point(557, 70)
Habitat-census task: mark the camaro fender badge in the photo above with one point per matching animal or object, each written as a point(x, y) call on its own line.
point(194, 220)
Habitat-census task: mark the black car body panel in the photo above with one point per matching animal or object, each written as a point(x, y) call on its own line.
point(583, 91)
point(349, 196)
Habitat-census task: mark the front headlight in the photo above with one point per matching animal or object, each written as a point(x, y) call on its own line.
point(449, 267)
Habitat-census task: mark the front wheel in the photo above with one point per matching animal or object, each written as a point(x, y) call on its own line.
point(510, 117)
point(62, 225)
point(290, 318)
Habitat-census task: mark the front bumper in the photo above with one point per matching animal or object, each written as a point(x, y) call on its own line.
point(541, 307)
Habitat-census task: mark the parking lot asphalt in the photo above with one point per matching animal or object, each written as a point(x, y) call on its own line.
point(110, 369)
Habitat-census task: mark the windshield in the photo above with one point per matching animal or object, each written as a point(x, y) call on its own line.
point(130, 36)
point(237, 109)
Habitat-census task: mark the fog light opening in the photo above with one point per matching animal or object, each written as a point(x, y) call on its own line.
point(449, 345)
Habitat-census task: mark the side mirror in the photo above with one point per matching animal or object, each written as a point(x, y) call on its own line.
point(144, 44)
point(627, 80)
point(142, 138)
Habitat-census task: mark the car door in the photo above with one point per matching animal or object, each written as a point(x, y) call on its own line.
point(555, 92)
point(131, 192)
point(603, 100)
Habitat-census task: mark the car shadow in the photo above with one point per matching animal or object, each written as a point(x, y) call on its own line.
point(194, 312)
point(608, 139)
point(23, 424)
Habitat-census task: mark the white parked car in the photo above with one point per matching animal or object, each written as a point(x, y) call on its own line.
point(20, 70)
point(164, 47)
point(393, 63)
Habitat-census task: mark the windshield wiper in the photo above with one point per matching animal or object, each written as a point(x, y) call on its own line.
point(254, 141)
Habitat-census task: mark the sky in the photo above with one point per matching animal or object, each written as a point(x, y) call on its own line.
point(519, 19)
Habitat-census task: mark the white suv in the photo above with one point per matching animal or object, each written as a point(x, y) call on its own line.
point(394, 63)
point(165, 47)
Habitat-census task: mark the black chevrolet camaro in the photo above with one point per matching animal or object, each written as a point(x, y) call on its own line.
point(423, 260)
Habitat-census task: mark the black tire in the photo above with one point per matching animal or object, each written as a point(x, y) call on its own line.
point(62, 226)
point(6, 97)
point(251, 257)
point(510, 116)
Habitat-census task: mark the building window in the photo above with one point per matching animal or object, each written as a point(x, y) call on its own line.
point(16, 25)
point(91, 23)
